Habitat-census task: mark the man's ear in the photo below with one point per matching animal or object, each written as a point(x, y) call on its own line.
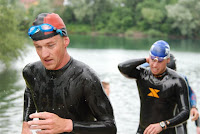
point(66, 41)
point(168, 60)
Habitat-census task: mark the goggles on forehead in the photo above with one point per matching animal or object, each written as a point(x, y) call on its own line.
point(44, 28)
point(159, 59)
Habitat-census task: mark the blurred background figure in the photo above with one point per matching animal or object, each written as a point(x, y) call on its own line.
point(192, 98)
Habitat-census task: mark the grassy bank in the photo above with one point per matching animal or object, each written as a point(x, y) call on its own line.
point(132, 32)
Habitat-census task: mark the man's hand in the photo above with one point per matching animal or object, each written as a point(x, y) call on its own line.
point(147, 59)
point(194, 114)
point(153, 129)
point(198, 130)
point(26, 128)
point(50, 123)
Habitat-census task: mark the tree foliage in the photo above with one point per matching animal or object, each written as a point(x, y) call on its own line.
point(120, 20)
point(185, 16)
point(91, 12)
point(152, 17)
point(155, 17)
point(10, 35)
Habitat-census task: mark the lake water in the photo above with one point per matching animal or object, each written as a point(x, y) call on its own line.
point(102, 54)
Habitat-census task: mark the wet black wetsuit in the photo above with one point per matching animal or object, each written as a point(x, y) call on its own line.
point(159, 95)
point(73, 92)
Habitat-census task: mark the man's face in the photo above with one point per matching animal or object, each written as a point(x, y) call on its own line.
point(52, 51)
point(157, 67)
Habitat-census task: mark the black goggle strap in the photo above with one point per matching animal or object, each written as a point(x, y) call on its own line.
point(40, 35)
point(37, 37)
point(64, 31)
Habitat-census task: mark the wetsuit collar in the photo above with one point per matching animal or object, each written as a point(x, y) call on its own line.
point(57, 73)
point(161, 75)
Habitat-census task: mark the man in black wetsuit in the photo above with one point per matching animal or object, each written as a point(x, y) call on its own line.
point(66, 93)
point(182, 129)
point(161, 89)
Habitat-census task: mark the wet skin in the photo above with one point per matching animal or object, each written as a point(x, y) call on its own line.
point(52, 52)
point(158, 67)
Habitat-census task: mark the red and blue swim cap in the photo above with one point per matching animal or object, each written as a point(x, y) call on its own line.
point(160, 49)
point(51, 19)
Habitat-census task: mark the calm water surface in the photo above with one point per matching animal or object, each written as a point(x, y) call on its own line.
point(103, 55)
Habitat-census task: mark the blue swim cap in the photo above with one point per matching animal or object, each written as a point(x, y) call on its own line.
point(160, 49)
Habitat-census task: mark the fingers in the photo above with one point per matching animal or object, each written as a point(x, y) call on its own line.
point(38, 122)
point(42, 127)
point(153, 129)
point(194, 118)
point(149, 130)
point(194, 113)
point(44, 132)
point(45, 118)
point(50, 123)
point(41, 115)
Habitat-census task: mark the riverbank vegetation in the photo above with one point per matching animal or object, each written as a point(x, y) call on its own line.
point(157, 18)
point(133, 18)
point(138, 18)
point(11, 41)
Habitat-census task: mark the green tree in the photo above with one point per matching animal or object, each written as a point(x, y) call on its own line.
point(120, 20)
point(68, 15)
point(185, 16)
point(152, 17)
point(150, 13)
point(132, 5)
point(11, 40)
point(44, 6)
point(92, 12)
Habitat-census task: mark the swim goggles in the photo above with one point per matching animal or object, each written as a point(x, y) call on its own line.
point(159, 59)
point(44, 28)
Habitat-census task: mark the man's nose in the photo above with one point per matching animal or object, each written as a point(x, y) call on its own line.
point(45, 53)
point(155, 63)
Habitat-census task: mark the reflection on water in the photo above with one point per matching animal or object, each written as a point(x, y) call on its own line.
point(124, 95)
point(102, 42)
point(10, 104)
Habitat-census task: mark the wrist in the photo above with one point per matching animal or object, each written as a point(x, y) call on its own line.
point(69, 125)
point(163, 125)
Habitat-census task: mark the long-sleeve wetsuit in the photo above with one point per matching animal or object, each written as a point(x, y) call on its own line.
point(73, 92)
point(193, 102)
point(192, 96)
point(192, 99)
point(159, 95)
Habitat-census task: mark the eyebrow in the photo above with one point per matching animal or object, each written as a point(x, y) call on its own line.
point(50, 42)
point(35, 44)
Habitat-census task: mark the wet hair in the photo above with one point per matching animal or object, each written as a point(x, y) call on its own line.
point(172, 63)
